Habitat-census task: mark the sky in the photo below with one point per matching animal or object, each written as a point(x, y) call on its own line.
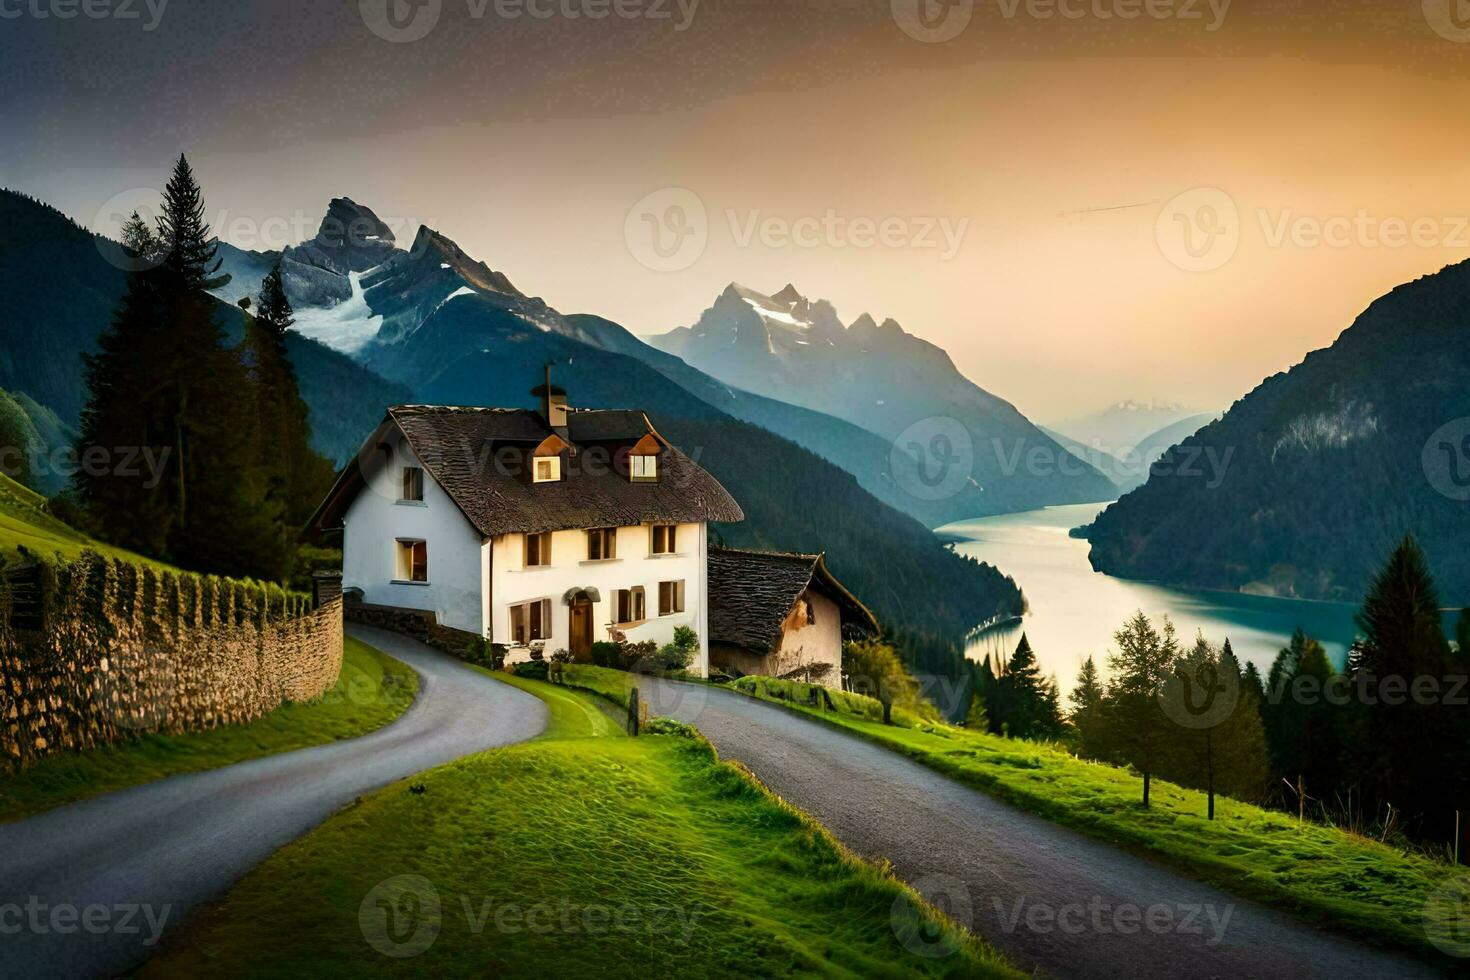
point(1082, 201)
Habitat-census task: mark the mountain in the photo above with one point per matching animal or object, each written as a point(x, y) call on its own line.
point(58, 285)
point(1128, 467)
point(1120, 427)
point(1310, 480)
point(978, 454)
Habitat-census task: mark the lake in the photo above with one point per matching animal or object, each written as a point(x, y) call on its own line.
point(1075, 610)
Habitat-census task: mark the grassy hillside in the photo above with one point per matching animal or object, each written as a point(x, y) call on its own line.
point(26, 523)
point(582, 853)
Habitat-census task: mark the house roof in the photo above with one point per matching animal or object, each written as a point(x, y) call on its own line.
point(458, 447)
point(751, 592)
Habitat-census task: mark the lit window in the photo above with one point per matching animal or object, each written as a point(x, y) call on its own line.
point(664, 539)
point(670, 597)
point(643, 469)
point(530, 621)
point(413, 561)
point(413, 483)
point(538, 550)
point(602, 543)
point(548, 469)
point(631, 607)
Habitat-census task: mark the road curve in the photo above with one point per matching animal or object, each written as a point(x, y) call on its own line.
point(1052, 899)
point(163, 848)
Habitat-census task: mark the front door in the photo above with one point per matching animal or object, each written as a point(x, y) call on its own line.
point(581, 629)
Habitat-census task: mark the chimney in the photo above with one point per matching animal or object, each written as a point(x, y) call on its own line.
point(553, 402)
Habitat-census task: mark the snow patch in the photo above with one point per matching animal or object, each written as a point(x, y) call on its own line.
point(347, 327)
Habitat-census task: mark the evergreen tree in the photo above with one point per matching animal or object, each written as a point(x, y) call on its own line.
point(1089, 712)
point(1404, 647)
point(1025, 704)
point(190, 250)
point(1140, 667)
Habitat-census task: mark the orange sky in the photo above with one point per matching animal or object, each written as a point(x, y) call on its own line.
point(1053, 145)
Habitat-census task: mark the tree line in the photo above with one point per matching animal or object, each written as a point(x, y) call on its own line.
point(238, 476)
point(1382, 745)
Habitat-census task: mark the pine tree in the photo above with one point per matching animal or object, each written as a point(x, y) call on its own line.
point(185, 237)
point(1403, 645)
point(1026, 704)
point(1141, 666)
point(1088, 712)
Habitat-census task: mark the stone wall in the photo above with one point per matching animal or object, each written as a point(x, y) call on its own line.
point(421, 624)
point(123, 649)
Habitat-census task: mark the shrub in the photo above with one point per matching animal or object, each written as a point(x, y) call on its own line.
point(534, 669)
point(606, 654)
point(561, 657)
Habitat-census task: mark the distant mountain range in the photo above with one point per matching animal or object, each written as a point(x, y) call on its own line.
point(1307, 483)
point(1123, 425)
point(1127, 463)
point(892, 383)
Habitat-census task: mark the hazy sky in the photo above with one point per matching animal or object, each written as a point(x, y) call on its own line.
point(1080, 209)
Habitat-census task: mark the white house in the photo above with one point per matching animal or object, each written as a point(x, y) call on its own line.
point(549, 528)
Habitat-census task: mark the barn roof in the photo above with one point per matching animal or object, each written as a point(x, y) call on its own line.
point(459, 446)
point(751, 592)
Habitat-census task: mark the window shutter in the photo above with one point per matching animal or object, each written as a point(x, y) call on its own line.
point(679, 596)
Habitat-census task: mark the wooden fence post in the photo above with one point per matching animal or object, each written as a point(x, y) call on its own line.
point(633, 712)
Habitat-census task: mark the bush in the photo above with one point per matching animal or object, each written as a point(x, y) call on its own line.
point(606, 654)
point(534, 669)
point(561, 657)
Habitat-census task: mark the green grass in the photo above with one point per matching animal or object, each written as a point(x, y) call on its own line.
point(1369, 890)
point(708, 874)
point(372, 690)
point(25, 522)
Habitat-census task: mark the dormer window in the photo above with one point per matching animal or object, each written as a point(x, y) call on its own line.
point(548, 469)
point(643, 469)
point(643, 459)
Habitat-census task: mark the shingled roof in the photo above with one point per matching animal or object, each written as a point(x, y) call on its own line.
point(750, 593)
point(458, 446)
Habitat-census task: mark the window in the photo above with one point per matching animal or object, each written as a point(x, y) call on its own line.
point(663, 539)
point(413, 561)
point(413, 483)
point(643, 469)
point(670, 597)
point(547, 469)
point(530, 621)
point(602, 543)
point(538, 550)
point(631, 607)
